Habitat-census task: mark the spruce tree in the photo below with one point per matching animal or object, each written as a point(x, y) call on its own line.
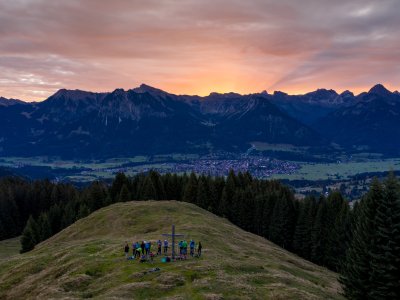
point(158, 185)
point(302, 236)
point(124, 194)
point(190, 193)
point(385, 276)
point(44, 227)
point(119, 181)
point(225, 206)
point(30, 235)
point(357, 268)
point(319, 233)
point(336, 224)
point(203, 193)
point(282, 222)
point(148, 191)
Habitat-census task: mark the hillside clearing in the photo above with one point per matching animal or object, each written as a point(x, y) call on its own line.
point(86, 260)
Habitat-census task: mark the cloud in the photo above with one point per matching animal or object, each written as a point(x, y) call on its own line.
point(197, 46)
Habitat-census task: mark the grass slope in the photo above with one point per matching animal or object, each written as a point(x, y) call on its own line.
point(9, 247)
point(85, 260)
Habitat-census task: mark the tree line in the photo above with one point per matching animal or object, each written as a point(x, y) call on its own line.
point(317, 229)
point(321, 229)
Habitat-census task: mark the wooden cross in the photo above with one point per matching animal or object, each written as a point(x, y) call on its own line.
point(173, 235)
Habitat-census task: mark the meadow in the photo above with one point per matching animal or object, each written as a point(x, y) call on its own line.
point(86, 260)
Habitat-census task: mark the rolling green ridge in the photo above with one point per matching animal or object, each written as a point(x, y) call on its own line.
point(86, 260)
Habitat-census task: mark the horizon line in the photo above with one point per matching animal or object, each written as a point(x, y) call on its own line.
point(143, 85)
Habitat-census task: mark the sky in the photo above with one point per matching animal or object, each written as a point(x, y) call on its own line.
point(197, 47)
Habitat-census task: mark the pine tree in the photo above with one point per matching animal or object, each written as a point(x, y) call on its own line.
point(225, 207)
point(338, 242)
point(55, 216)
point(190, 194)
point(44, 227)
point(148, 191)
point(119, 181)
point(203, 193)
point(83, 211)
point(3, 233)
point(124, 194)
point(336, 224)
point(356, 270)
point(282, 222)
point(69, 214)
point(385, 276)
point(30, 235)
point(302, 243)
point(319, 233)
point(158, 185)
point(268, 208)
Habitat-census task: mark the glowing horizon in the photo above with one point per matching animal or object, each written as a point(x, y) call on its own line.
point(197, 48)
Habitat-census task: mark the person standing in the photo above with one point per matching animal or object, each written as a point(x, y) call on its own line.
point(126, 249)
point(143, 247)
point(159, 247)
point(184, 246)
point(134, 249)
point(199, 247)
point(165, 247)
point(180, 244)
point(139, 252)
point(147, 246)
point(137, 247)
point(192, 245)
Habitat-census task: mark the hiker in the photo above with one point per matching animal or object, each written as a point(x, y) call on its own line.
point(165, 247)
point(137, 246)
point(147, 246)
point(159, 247)
point(142, 246)
point(184, 246)
point(192, 245)
point(126, 250)
point(134, 249)
point(180, 244)
point(139, 252)
point(199, 249)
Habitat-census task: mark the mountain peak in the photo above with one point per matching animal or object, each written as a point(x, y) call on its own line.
point(144, 88)
point(380, 90)
point(279, 93)
point(347, 93)
point(323, 93)
point(72, 94)
point(224, 95)
point(8, 102)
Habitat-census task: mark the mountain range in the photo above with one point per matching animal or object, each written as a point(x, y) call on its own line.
point(146, 120)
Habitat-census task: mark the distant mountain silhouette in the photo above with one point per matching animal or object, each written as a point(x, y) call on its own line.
point(372, 122)
point(9, 102)
point(147, 120)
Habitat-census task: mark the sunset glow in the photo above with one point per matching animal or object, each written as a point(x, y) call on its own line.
point(197, 47)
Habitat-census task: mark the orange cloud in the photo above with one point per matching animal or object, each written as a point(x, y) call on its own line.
point(196, 47)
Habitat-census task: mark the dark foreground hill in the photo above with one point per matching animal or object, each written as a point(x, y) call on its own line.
point(85, 260)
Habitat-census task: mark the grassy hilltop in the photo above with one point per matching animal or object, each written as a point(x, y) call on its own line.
point(86, 260)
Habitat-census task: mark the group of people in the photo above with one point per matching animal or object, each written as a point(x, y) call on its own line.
point(142, 250)
point(183, 245)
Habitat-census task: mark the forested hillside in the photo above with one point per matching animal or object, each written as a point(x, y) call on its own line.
point(323, 230)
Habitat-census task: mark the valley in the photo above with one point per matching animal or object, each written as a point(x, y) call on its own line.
point(349, 173)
